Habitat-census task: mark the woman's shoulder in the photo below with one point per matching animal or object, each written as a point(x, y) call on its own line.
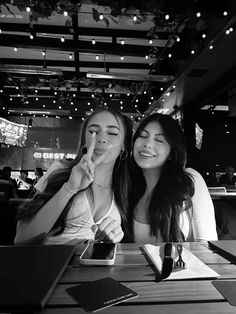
point(195, 174)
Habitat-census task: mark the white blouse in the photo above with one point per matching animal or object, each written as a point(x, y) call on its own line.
point(80, 220)
point(197, 223)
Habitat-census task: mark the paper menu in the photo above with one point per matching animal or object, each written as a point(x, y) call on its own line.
point(195, 268)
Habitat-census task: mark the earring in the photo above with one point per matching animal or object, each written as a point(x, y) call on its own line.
point(84, 150)
point(123, 154)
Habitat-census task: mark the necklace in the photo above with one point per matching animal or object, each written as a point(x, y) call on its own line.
point(101, 186)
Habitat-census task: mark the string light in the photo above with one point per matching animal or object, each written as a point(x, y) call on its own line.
point(192, 52)
point(211, 47)
point(28, 9)
point(122, 42)
point(97, 57)
point(135, 18)
point(65, 13)
point(62, 39)
point(93, 41)
point(43, 53)
point(70, 56)
point(198, 14)
point(15, 48)
point(31, 36)
point(101, 17)
point(122, 58)
point(178, 39)
point(167, 16)
point(225, 13)
point(150, 42)
point(36, 99)
point(169, 55)
point(203, 35)
point(146, 57)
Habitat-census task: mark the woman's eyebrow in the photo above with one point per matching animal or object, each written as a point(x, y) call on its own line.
point(108, 126)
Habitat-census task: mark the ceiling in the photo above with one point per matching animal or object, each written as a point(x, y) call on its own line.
point(161, 61)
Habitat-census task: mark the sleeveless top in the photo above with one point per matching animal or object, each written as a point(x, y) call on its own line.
point(80, 220)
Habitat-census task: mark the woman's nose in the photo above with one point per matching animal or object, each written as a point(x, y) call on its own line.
point(102, 140)
point(147, 144)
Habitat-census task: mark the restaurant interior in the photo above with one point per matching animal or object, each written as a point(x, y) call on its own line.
point(61, 60)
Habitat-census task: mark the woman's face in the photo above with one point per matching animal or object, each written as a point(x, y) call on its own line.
point(109, 135)
point(151, 149)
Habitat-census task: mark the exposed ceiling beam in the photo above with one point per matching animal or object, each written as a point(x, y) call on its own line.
point(69, 45)
point(86, 31)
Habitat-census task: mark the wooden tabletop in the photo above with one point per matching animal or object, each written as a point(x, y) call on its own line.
point(132, 269)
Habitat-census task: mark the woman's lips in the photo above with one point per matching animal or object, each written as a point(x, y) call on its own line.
point(144, 154)
point(99, 151)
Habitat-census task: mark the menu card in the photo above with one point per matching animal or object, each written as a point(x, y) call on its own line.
point(195, 268)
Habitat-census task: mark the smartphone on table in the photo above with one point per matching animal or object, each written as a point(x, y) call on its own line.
point(99, 253)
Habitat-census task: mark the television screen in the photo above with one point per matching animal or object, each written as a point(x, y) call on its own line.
point(12, 133)
point(199, 134)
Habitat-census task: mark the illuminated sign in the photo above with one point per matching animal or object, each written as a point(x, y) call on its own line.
point(56, 156)
point(12, 133)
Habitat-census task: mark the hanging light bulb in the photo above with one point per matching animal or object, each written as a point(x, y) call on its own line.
point(135, 18)
point(62, 39)
point(101, 17)
point(93, 41)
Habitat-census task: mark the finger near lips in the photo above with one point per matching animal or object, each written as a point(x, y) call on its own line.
point(92, 145)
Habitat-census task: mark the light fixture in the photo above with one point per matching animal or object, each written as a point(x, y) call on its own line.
point(169, 55)
point(146, 57)
point(28, 9)
point(65, 13)
point(97, 57)
point(62, 39)
point(15, 48)
point(192, 52)
point(130, 76)
point(93, 42)
point(101, 17)
point(70, 56)
point(211, 47)
point(225, 13)
point(122, 42)
point(150, 42)
point(122, 58)
point(203, 35)
point(198, 14)
point(178, 39)
point(135, 18)
point(167, 16)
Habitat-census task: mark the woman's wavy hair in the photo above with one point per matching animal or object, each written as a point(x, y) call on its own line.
point(120, 179)
point(174, 187)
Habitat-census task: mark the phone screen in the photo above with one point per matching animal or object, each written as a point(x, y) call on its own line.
point(100, 251)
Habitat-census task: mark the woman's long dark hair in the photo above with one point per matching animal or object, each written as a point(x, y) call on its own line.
point(174, 187)
point(120, 178)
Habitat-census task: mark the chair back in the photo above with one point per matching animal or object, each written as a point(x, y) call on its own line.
point(217, 189)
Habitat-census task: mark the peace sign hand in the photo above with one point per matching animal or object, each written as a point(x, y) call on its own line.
point(82, 174)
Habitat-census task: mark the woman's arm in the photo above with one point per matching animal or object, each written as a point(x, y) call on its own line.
point(45, 218)
point(203, 219)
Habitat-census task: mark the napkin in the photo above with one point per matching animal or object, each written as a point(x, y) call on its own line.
point(195, 268)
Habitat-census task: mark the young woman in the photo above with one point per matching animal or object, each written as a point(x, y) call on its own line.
point(169, 202)
point(85, 198)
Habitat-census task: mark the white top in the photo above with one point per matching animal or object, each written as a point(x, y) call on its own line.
point(80, 220)
point(197, 223)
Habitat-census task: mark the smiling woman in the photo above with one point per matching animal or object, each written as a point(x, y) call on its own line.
point(169, 202)
point(85, 198)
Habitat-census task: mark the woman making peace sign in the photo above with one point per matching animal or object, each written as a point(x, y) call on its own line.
point(85, 198)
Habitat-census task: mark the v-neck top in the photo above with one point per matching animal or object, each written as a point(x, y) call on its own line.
point(80, 220)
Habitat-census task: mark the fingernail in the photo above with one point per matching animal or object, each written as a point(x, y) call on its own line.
point(94, 134)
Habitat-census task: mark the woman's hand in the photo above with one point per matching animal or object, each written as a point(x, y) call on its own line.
point(82, 174)
point(109, 230)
